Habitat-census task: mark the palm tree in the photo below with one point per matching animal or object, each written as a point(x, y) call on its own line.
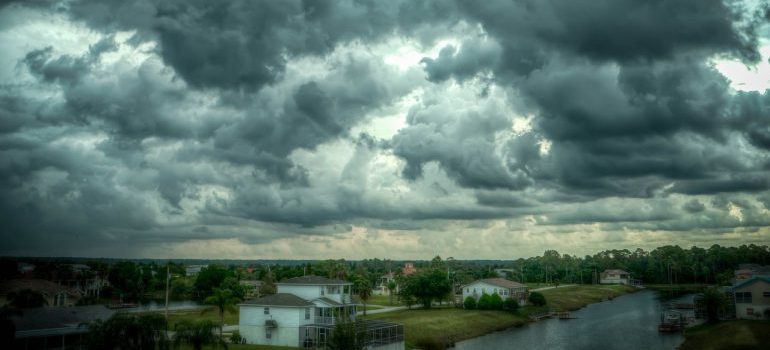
point(129, 331)
point(713, 301)
point(197, 334)
point(223, 299)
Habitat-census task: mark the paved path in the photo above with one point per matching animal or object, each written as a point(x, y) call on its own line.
point(545, 288)
point(383, 310)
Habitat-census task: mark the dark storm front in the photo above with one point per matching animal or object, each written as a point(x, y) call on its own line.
point(627, 322)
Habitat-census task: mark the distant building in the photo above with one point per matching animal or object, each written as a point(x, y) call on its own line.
point(304, 312)
point(504, 288)
point(55, 328)
point(614, 276)
point(748, 271)
point(251, 287)
point(193, 270)
point(408, 269)
point(382, 284)
point(54, 294)
point(752, 298)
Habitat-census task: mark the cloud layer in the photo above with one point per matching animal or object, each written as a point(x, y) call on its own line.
point(349, 128)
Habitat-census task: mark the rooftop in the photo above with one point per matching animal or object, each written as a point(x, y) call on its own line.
point(59, 317)
point(279, 299)
point(501, 282)
point(312, 280)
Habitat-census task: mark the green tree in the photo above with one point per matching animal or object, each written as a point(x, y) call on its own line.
point(129, 331)
point(209, 278)
point(713, 301)
point(349, 335)
point(26, 298)
point(537, 299)
point(223, 300)
point(197, 334)
point(485, 302)
point(469, 303)
point(364, 288)
point(495, 302)
point(426, 286)
point(391, 288)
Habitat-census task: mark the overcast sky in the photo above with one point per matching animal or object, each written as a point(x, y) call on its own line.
point(392, 129)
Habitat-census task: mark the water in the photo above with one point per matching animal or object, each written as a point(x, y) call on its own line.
point(627, 322)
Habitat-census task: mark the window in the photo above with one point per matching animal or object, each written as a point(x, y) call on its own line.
point(743, 298)
point(267, 311)
point(766, 294)
point(268, 335)
point(322, 290)
point(307, 313)
point(467, 290)
point(495, 290)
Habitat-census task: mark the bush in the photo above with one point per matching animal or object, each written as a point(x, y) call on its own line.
point(537, 299)
point(470, 303)
point(429, 344)
point(484, 302)
point(495, 302)
point(510, 304)
point(236, 338)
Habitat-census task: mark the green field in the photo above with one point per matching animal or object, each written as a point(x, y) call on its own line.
point(449, 325)
point(575, 297)
point(740, 334)
point(379, 300)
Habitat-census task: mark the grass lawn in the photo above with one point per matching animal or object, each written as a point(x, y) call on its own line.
point(368, 307)
point(379, 300)
point(449, 325)
point(576, 297)
point(209, 313)
point(739, 334)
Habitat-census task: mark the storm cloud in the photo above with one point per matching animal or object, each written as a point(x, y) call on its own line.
point(273, 128)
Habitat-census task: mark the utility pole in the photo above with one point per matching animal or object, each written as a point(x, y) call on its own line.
point(168, 278)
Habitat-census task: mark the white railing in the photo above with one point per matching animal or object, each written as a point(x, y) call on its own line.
point(324, 320)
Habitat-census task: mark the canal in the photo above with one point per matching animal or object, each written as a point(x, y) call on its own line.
point(627, 322)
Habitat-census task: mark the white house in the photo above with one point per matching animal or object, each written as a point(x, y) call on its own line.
point(504, 288)
point(614, 276)
point(752, 298)
point(382, 284)
point(303, 313)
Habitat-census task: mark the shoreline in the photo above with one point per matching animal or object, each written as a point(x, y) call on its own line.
point(444, 327)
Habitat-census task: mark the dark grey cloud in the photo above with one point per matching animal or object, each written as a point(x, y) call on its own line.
point(253, 120)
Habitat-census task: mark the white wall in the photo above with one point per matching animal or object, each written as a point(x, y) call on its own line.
point(481, 288)
point(310, 292)
point(252, 324)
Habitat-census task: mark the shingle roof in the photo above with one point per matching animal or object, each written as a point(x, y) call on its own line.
point(750, 281)
point(280, 299)
point(500, 282)
point(59, 317)
point(328, 301)
point(42, 286)
point(615, 271)
point(312, 280)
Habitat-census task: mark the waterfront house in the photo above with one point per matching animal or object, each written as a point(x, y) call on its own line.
point(504, 288)
point(615, 276)
point(382, 284)
point(752, 298)
point(304, 312)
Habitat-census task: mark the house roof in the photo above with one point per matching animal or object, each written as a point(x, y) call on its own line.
point(615, 271)
point(751, 281)
point(279, 299)
point(500, 282)
point(312, 280)
point(59, 317)
point(328, 301)
point(47, 288)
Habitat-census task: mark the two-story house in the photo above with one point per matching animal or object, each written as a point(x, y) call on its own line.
point(614, 276)
point(303, 313)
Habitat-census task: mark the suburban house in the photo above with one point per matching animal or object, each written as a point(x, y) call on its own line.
point(382, 284)
point(614, 276)
point(251, 287)
point(748, 271)
point(504, 288)
point(408, 269)
point(53, 293)
point(304, 312)
point(55, 328)
point(752, 298)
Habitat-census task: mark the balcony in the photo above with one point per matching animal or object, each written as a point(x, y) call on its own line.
point(324, 320)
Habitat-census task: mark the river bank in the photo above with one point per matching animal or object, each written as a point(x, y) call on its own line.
point(738, 334)
point(438, 328)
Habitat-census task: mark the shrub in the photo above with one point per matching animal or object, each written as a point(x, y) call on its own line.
point(429, 343)
point(469, 303)
point(537, 299)
point(510, 304)
point(485, 302)
point(495, 302)
point(236, 337)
